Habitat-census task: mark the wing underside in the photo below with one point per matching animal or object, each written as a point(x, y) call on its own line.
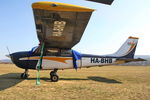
point(58, 27)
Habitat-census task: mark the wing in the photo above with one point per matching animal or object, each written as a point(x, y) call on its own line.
point(60, 25)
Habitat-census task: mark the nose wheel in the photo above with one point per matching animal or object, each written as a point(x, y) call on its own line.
point(53, 75)
point(25, 75)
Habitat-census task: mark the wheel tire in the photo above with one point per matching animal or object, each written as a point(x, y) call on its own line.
point(54, 78)
point(24, 76)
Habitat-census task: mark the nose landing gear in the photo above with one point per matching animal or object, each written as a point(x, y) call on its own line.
point(25, 74)
point(53, 75)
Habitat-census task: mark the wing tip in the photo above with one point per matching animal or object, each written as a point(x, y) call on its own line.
point(107, 2)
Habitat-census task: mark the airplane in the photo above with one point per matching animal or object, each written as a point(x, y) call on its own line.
point(59, 27)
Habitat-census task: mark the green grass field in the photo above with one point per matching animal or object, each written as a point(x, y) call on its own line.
point(98, 83)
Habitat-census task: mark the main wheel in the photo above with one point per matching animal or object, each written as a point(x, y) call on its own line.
point(24, 76)
point(54, 78)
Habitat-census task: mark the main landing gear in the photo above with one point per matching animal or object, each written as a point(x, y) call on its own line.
point(25, 74)
point(53, 75)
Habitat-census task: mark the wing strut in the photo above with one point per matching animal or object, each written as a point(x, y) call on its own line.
point(39, 64)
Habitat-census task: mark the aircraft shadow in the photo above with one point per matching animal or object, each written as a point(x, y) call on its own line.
point(73, 79)
point(48, 79)
point(41, 78)
point(103, 79)
point(93, 78)
point(8, 80)
point(11, 79)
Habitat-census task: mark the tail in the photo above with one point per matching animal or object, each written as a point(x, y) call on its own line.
point(127, 50)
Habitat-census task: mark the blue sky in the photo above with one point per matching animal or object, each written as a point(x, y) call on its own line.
point(108, 27)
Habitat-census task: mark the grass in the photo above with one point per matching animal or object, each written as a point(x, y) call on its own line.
point(97, 83)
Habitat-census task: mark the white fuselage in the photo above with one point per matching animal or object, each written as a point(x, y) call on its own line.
point(67, 62)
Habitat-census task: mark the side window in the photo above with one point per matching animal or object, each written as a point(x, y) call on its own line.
point(66, 53)
point(52, 52)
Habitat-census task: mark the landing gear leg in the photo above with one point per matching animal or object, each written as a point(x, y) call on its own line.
point(25, 74)
point(53, 75)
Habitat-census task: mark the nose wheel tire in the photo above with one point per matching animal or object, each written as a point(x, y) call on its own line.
point(24, 76)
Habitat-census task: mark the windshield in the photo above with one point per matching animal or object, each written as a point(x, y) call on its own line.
point(33, 50)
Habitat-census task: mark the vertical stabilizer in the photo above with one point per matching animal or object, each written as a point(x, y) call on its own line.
point(127, 50)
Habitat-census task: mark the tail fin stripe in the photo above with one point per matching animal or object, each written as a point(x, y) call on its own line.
point(130, 49)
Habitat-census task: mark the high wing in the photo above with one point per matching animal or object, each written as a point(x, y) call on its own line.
point(60, 25)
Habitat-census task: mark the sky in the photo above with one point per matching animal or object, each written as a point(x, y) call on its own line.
point(107, 29)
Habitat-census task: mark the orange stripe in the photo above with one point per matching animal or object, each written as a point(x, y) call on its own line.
point(59, 59)
point(131, 48)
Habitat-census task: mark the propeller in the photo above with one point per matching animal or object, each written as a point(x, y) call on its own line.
point(9, 55)
point(108, 2)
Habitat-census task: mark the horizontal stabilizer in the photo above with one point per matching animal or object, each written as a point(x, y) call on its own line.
point(108, 2)
point(131, 60)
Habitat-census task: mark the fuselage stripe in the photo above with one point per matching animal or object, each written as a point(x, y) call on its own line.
point(59, 59)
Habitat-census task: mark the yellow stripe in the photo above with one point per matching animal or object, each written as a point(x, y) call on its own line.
point(60, 7)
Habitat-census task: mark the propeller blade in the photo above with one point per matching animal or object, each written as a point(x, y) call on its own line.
point(8, 50)
point(9, 55)
point(108, 2)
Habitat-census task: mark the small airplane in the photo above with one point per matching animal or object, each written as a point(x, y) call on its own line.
point(59, 27)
